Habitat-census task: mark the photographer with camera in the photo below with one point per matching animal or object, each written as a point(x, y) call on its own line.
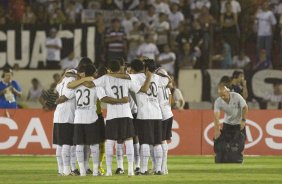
point(239, 84)
point(9, 90)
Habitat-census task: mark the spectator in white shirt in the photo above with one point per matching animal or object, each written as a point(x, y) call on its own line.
point(54, 46)
point(265, 20)
point(161, 7)
point(69, 62)
point(241, 61)
point(167, 60)
point(278, 9)
point(35, 91)
point(135, 37)
point(127, 23)
point(176, 17)
point(162, 29)
point(150, 18)
point(197, 5)
point(149, 48)
point(178, 101)
point(276, 95)
point(236, 7)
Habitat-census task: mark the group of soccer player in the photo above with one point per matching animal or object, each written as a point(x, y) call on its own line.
point(138, 116)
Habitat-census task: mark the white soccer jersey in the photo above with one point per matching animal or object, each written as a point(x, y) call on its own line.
point(148, 104)
point(163, 96)
point(133, 105)
point(117, 88)
point(64, 112)
point(86, 98)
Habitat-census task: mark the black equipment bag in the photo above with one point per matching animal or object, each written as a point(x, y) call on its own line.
point(228, 147)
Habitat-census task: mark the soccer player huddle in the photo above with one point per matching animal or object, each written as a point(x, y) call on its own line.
point(138, 116)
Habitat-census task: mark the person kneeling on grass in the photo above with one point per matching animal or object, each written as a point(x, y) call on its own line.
point(230, 141)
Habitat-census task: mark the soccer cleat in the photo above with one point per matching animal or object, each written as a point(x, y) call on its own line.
point(75, 172)
point(108, 174)
point(158, 173)
point(119, 171)
point(137, 171)
point(89, 171)
point(60, 174)
point(145, 173)
point(101, 171)
point(130, 174)
point(97, 174)
point(70, 174)
point(165, 172)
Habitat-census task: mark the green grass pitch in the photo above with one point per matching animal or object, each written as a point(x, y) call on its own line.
point(182, 169)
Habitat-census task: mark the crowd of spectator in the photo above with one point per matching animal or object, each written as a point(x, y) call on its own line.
point(176, 33)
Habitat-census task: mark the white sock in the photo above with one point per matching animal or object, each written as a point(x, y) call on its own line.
point(66, 159)
point(80, 159)
point(164, 160)
point(87, 153)
point(145, 154)
point(73, 158)
point(158, 153)
point(130, 155)
point(109, 155)
point(119, 153)
point(153, 158)
point(59, 159)
point(137, 154)
point(95, 152)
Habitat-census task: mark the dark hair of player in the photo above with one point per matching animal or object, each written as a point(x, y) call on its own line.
point(137, 65)
point(101, 71)
point(89, 70)
point(115, 65)
point(236, 74)
point(85, 61)
point(150, 65)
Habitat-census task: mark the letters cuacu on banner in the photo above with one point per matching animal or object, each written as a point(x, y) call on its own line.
point(30, 49)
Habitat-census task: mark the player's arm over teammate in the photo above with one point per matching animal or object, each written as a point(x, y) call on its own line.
point(111, 100)
point(86, 81)
point(89, 84)
point(106, 99)
point(144, 87)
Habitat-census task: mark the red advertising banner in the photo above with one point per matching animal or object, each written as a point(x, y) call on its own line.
point(26, 132)
point(186, 133)
point(30, 132)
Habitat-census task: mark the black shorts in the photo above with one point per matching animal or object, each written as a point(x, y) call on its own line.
point(101, 122)
point(87, 134)
point(167, 125)
point(119, 129)
point(149, 131)
point(63, 133)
